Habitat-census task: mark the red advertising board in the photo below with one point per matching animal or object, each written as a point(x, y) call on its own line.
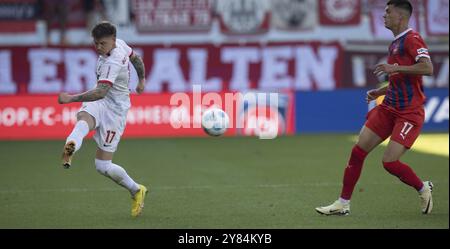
point(151, 115)
point(34, 117)
point(228, 67)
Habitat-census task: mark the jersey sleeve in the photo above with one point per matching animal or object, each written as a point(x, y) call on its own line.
point(127, 48)
point(108, 73)
point(417, 48)
point(130, 51)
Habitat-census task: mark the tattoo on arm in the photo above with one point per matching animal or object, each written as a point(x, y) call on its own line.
point(138, 64)
point(95, 94)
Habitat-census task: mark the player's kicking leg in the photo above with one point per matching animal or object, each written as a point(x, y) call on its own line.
point(106, 167)
point(73, 143)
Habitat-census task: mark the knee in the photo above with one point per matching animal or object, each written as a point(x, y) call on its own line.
point(102, 166)
point(86, 117)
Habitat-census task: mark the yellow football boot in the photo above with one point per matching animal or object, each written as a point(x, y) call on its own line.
point(137, 204)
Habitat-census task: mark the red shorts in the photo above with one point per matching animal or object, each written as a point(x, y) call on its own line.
point(403, 128)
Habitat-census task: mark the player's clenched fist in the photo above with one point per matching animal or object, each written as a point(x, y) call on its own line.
point(64, 98)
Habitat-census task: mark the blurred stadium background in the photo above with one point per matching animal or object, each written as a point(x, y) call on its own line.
point(318, 55)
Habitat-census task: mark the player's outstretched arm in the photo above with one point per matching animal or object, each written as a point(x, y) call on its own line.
point(95, 94)
point(138, 64)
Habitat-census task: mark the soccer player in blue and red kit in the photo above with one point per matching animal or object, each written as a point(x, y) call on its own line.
point(400, 116)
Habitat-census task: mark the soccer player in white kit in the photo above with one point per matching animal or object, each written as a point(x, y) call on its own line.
point(105, 108)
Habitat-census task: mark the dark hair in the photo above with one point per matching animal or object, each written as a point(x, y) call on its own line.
point(402, 4)
point(103, 29)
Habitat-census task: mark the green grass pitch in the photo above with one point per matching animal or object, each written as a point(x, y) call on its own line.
point(214, 183)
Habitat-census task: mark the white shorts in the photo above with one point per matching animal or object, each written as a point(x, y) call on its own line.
point(109, 125)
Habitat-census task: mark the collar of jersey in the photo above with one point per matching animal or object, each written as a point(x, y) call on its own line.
point(403, 33)
point(108, 54)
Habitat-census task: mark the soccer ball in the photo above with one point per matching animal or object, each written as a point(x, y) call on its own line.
point(215, 122)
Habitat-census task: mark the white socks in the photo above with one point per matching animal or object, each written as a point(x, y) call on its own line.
point(80, 130)
point(104, 167)
point(422, 189)
point(344, 201)
point(117, 174)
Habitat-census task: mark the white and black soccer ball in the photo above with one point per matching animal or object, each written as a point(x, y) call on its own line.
point(215, 122)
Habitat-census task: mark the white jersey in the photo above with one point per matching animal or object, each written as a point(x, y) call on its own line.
point(114, 70)
point(110, 113)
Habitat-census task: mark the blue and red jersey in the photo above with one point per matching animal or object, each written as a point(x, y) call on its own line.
point(405, 92)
